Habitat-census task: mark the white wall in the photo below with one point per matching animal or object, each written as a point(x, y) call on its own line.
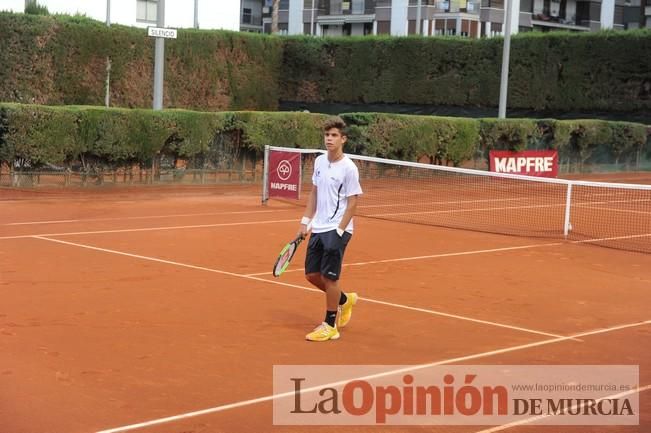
point(607, 14)
point(295, 17)
point(357, 29)
point(515, 17)
point(213, 14)
point(399, 17)
point(570, 11)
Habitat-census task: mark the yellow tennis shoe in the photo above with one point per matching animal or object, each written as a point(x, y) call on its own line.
point(323, 332)
point(345, 311)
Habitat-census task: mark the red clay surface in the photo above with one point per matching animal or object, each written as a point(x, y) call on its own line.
point(175, 309)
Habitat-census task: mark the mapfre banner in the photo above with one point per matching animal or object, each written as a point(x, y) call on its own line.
point(543, 163)
point(284, 174)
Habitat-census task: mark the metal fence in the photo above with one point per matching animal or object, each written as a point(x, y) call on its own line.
point(29, 179)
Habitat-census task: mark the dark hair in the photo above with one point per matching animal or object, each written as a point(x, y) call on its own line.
point(338, 123)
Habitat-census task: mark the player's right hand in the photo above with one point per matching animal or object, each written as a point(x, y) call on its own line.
point(302, 231)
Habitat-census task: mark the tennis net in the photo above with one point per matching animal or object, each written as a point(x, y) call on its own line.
point(608, 214)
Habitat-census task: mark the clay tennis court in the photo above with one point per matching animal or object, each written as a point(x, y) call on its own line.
point(154, 310)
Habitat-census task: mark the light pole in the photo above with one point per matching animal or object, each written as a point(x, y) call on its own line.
point(418, 5)
point(504, 80)
point(312, 20)
point(107, 94)
point(196, 14)
point(159, 60)
point(108, 13)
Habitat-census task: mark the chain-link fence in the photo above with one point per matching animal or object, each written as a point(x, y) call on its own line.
point(66, 178)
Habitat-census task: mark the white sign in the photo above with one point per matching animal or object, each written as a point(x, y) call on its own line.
point(158, 32)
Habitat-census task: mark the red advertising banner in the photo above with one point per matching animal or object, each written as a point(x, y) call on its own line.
point(542, 163)
point(284, 174)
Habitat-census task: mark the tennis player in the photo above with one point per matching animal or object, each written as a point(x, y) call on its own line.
point(330, 208)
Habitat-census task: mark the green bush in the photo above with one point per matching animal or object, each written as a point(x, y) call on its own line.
point(63, 60)
point(92, 138)
point(564, 71)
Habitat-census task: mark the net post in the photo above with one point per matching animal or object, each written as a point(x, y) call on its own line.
point(300, 176)
point(568, 201)
point(265, 176)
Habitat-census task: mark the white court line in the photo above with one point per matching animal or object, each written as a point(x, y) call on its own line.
point(615, 210)
point(487, 209)
point(148, 229)
point(421, 203)
point(144, 217)
point(408, 369)
point(431, 256)
point(484, 209)
point(539, 417)
point(41, 222)
point(455, 316)
point(467, 253)
point(233, 274)
point(613, 238)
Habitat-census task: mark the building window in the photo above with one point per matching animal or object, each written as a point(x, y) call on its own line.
point(246, 16)
point(147, 11)
point(383, 27)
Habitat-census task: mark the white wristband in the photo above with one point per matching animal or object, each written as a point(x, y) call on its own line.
point(340, 232)
point(305, 221)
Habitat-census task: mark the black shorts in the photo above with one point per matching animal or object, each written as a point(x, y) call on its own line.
point(325, 253)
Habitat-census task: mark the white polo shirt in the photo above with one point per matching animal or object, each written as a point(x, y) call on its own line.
point(335, 182)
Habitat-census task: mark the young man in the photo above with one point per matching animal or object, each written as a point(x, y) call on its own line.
point(330, 208)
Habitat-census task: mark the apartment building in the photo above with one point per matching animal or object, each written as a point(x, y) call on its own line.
point(251, 16)
point(470, 18)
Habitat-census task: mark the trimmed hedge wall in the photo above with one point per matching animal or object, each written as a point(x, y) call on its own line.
point(87, 138)
point(57, 60)
point(62, 60)
point(608, 71)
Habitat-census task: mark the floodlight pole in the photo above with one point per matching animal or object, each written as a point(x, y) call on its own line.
point(107, 94)
point(504, 81)
point(312, 20)
point(196, 14)
point(418, 7)
point(159, 60)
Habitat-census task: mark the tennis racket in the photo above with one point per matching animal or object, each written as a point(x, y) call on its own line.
point(286, 255)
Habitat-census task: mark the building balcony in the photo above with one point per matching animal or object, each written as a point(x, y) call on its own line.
point(543, 21)
point(251, 20)
point(350, 7)
point(570, 15)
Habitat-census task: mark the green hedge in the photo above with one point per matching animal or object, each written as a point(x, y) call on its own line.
point(549, 71)
point(58, 60)
point(88, 138)
point(62, 60)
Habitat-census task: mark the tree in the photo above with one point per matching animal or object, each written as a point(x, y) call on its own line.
point(32, 7)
